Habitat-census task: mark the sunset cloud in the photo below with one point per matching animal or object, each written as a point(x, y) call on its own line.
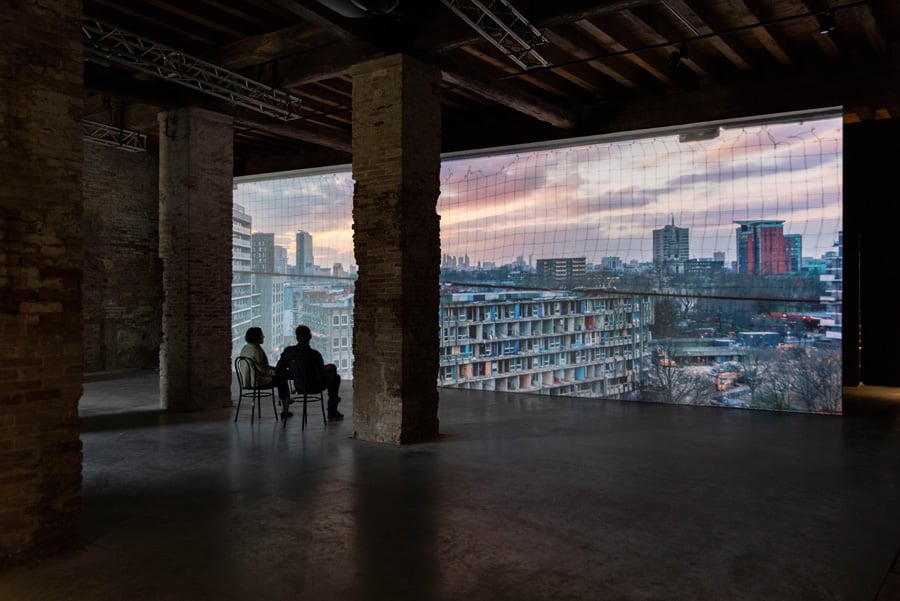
point(594, 200)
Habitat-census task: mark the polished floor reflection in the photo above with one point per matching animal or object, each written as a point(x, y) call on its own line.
point(523, 497)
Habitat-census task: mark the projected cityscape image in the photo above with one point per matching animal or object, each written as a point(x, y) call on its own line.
point(671, 268)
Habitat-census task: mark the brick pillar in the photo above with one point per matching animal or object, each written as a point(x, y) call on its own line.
point(396, 166)
point(41, 249)
point(195, 197)
point(122, 313)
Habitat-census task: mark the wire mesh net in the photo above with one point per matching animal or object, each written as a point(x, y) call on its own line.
point(644, 268)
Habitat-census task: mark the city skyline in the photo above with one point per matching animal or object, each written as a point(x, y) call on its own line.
point(596, 200)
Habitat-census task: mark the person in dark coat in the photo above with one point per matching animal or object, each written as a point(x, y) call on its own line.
point(318, 375)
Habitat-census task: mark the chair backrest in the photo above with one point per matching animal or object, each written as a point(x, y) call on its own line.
point(246, 371)
point(304, 379)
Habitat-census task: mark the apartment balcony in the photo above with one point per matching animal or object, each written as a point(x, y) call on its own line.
point(571, 381)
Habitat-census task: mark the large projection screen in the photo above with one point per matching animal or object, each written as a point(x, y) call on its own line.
point(694, 266)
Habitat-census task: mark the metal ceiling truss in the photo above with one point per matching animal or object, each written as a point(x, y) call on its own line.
point(106, 44)
point(107, 135)
point(502, 25)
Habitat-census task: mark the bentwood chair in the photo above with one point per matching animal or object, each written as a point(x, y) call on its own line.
point(248, 376)
point(304, 389)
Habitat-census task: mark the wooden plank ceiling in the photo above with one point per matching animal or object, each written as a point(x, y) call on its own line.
point(612, 66)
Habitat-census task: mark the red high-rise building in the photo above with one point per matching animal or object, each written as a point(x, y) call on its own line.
point(761, 247)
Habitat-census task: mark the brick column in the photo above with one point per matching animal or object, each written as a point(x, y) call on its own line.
point(41, 249)
point(195, 197)
point(396, 165)
point(122, 312)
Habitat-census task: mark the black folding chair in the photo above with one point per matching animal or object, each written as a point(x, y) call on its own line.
point(248, 381)
point(304, 389)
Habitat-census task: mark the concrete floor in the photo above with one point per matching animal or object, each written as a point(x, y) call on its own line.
point(524, 497)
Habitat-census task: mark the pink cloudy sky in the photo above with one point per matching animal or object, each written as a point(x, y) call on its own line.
point(593, 200)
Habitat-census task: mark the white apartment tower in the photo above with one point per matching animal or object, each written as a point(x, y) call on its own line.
point(833, 279)
point(671, 247)
point(245, 300)
point(548, 343)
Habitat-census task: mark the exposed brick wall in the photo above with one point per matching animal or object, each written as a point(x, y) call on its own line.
point(41, 252)
point(195, 200)
point(122, 290)
point(396, 165)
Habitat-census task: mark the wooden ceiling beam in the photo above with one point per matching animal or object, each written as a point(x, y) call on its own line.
point(194, 16)
point(502, 94)
point(449, 33)
point(650, 37)
point(585, 50)
point(746, 18)
point(321, 63)
point(614, 46)
point(859, 88)
point(333, 139)
point(267, 47)
point(707, 24)
point(505, 67)
point(870, 26)
point(250, 17)
point(137, 22)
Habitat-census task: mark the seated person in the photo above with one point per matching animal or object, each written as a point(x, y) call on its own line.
point(318, 376)
point(267, 374)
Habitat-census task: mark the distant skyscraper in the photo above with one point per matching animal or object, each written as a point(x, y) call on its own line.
point(280, 259)
point(671, 247)
point(263, 252)
point(762, 248)
point(305, 262)
point(271, 309)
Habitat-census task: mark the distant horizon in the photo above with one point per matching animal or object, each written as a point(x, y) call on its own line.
point(593, 200)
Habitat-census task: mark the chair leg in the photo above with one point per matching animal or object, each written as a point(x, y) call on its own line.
point(322, 404)
point(238, 410)
point(303, 423)
point(274, 408)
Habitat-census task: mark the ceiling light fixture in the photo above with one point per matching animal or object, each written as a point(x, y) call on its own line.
point(678, 56)
point(826, 22)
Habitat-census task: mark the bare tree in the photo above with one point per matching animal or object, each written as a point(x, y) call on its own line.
point(757, 364)
point(671, 383)
point(815, 379)
point(776, 386)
